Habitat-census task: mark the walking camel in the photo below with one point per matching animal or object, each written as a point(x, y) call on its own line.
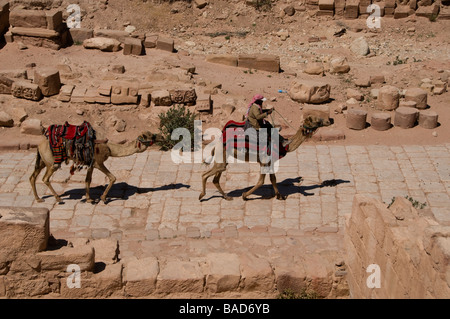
point(102, 151)
point(310, 125)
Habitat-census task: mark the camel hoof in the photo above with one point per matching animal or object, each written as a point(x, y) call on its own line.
point(39, 200)
point(281, 197)
point(201, 196)
point(89, 200)
point(59, 200)
point(244, 197)
point(228, 198)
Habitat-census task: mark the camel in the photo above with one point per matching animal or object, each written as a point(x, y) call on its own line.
point(103, 150)
point(309, 127)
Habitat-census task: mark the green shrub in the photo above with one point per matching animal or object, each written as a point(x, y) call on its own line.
point(304, 294)
point(176, 117)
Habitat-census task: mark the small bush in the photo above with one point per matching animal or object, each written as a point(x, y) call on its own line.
point(304, 294)
point(176, 117)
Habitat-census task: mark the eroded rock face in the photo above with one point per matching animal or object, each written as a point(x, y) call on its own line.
point(309, 91)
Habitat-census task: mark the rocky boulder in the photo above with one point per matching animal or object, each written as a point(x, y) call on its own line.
point(102, 44)
point(309, 91)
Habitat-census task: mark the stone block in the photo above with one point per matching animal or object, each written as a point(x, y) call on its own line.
point(78, 35)
point(40, 37)
point(124, 93)
point(28, 18)
point(26, 90)
point(54, 19)
point(102, 44)
point(48, 81)
point(183, 96)
point(165, 43)
point(226, 59)
point(133, 46)
point(428, 11)
point(5, 85)
point(264, 62)
point(224, 272)
point(25, 231)
point(105, 89)
point(402, 11)
point(31, 127)
point(150, 40)
point(377, 79)
point(380, 121)
point(180, 276)
point(326, 4)
point(325, 13)
point(204, 103)
point(111, 34)
point(417, 95)
point(65, 93)
point(428, 119)
point(309, 91)
point(388, 98)
point(256, 273)
point(78, 94)
point(351, 9)
point(356, 119)
point(92, 96)
point(405, 117)
point(59, 259)
point(161, 98)
point(140, 276)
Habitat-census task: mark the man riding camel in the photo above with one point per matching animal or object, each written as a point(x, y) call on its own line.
point(256, 118)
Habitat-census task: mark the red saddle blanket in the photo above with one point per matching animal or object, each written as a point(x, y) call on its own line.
point(234, 137)
point(77, 140)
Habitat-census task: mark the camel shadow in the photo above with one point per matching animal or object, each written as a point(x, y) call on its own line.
point(119, 191)
point(286, 188)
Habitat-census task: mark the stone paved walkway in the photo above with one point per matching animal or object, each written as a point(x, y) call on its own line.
point(155, 202)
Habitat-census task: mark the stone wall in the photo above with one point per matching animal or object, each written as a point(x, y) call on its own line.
point(410, 248)
point(35, 264)
point(354, 9)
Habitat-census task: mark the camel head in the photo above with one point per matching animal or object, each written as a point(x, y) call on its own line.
point(145, 140)
point(313, 122)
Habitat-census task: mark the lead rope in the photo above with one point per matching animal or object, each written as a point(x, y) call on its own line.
point(284, 119)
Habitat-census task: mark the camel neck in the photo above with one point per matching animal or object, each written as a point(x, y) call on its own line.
point(127, 149)
point(297, 140)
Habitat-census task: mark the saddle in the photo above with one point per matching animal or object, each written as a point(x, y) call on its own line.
point(71, 141)
point(234, 137)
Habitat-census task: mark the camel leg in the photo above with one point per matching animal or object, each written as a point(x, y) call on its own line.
point(88, 183)
point(273, 179)
point(37, 169)
point(258, 185)
point(46, 179)
point(217, 184)
point(215, 170)
point(111, 177)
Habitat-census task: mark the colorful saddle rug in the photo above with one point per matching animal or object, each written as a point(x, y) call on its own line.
point(234, 137)
point(72, 141)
